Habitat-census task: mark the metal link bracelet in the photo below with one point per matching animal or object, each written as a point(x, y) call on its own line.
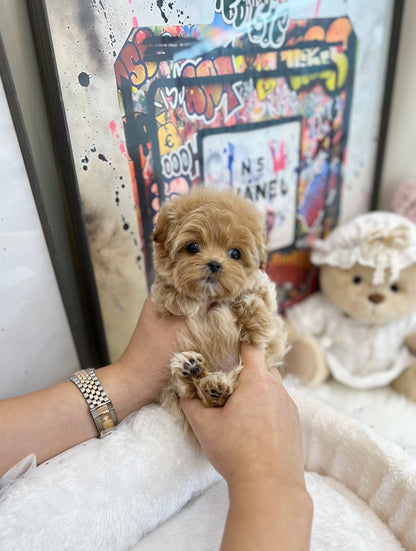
point(100, 406)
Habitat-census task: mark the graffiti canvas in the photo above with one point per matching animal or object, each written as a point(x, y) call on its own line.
point(283, 99)
point(262, 163)
point(267, 114)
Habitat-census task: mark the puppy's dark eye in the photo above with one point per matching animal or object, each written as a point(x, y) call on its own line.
point(193, 248)
point(234, 254)
point(357, 280)
point(394, 287)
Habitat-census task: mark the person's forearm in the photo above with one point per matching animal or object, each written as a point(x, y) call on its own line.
point(53, 420)
point(267, 516)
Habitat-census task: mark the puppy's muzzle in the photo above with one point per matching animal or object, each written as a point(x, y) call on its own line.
point(214, 266)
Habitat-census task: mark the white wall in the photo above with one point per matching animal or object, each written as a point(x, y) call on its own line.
point(400, 154)
point(36, 346)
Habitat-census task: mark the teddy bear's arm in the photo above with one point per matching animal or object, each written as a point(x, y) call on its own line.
point(305, 358)
point(411, 343)
point(305, 323)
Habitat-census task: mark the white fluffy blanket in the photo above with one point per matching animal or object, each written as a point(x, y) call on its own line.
point(144, 487)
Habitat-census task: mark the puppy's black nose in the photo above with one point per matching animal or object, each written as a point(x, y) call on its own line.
point(214, 266)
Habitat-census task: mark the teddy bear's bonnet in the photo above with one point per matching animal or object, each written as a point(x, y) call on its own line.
point(380, 240)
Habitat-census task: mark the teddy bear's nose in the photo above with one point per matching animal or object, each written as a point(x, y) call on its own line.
point(376, 298)
point(214, 266)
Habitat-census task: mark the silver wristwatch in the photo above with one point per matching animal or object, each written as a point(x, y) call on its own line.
point(100, 405)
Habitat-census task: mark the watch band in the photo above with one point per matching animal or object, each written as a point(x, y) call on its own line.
point(100, 406)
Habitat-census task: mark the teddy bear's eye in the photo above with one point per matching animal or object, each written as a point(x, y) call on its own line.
point(193, 248)
point(394, 287)
point(357, 280)
point(234, 254)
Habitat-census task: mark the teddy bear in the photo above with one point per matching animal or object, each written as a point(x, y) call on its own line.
point(360, 328)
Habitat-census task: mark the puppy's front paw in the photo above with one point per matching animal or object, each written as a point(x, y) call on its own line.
point(257, 324)
point(186, 369)
point(215, 389)
point(188, 364)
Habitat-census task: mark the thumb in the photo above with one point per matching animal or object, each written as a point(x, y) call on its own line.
point(252, 357)
point(190, 407)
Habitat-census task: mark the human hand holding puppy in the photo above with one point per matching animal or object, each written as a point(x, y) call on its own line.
point(53, 419)
point(255, 442)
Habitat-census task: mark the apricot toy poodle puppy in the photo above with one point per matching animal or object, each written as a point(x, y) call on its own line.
point(210, 252)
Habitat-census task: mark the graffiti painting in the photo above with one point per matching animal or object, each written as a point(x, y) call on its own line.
point(280, 100)
point(262, 163)
point(267, 114)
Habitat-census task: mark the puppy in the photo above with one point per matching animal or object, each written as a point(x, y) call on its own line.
point(209, 254)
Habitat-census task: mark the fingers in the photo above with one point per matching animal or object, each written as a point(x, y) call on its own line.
point(275, 373)
point(252, 357)
point(149, 307)
point(195, 412)
point(190, 407)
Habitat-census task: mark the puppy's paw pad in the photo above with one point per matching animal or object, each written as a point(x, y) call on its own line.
point(187, 364)
point(214, 391)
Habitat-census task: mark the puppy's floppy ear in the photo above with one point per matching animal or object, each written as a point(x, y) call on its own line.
point(161, 231)
point(262, 250)
point(263, 258)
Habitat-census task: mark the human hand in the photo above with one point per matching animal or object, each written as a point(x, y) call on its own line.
point(257, 434)
point(56, 418)
point(146, 359)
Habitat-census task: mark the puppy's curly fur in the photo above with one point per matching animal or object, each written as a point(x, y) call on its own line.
point(209, 253)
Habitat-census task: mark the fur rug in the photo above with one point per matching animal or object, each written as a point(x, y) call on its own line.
point(144, 487)
point(384, 410)
point(358, 530)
